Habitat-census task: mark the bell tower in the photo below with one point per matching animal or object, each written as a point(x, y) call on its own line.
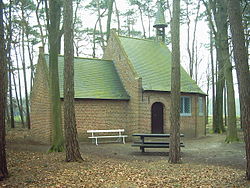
point(160, 23)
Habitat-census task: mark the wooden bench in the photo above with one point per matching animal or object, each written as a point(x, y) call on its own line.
point(152, 144)
point(95, 134)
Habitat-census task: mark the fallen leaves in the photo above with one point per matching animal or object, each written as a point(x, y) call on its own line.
point(36, 169)
point(115, 166)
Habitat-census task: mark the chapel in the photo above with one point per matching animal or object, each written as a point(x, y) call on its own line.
point(128, 88)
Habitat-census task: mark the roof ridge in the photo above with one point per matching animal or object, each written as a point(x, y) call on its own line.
point(89, 58)
point(92, 58)
point(148, 40)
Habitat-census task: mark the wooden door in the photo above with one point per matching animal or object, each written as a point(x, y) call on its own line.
point(157, 118)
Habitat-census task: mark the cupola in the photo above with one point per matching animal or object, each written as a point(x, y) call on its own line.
point(160, 23)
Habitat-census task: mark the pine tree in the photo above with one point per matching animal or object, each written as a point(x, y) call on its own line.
point(174, 150)
point(3, 96)
point(70, 131)
point(53, 28)
point(242, 70)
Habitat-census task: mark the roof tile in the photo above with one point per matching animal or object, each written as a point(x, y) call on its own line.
point(94, 79)
point(152, 61)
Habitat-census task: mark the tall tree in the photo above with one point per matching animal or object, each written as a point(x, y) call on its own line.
point(12, 122)
point(3, 96)
point(224, 60)
point(211, 47)
point(19, 86)
point(102, 40)
point(99, 7)
point(242, 70)
point(216, 12)
point(191, 50)
point(17, 99)
point(53, 24)
point(140, 7)
point(110, 11)
point(39, 23)
point(71, 142)
point(95, 33)
point(174, 150)
point(118, 18)
point(246, 21)
point(212, 32)
point(24, 66)
point(219, 11)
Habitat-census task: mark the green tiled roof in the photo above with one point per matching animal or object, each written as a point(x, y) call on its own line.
point(152, 62)
point(94, 79)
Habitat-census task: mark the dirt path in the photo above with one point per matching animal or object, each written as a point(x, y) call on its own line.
point(208, 150)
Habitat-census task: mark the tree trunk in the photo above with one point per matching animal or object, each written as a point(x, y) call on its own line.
point(3, 96)
point(19, 88)
point(110, 10)
point(212, 72)
point(194, 42)
point(191, 63)
point(118, 19)
point(224, 58)
point(94, 34)
point(31, 61)
point(225, 106)
point(218, 123)
point(100, 26)
point(242, 70)
point(213, 67)
point(53, 27)
point(71, 142)
point(231, 109)
point(12, 121)
point(142, 23)
point(219, 11)
point(39, 23)
point(18, 101)
point(149, 26)
point(208, 73)
point(24, 75)
point(174, 150)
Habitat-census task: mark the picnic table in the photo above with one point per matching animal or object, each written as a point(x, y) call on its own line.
point(152, 144)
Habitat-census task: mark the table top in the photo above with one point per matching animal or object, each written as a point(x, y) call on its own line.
point(153, 135)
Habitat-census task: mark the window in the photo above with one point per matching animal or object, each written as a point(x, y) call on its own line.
point(200, 106)
point(185, 106)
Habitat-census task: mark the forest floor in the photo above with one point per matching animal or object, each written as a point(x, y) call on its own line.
point(206, 162)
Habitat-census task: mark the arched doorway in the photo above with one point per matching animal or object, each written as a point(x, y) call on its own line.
point(157, 118)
